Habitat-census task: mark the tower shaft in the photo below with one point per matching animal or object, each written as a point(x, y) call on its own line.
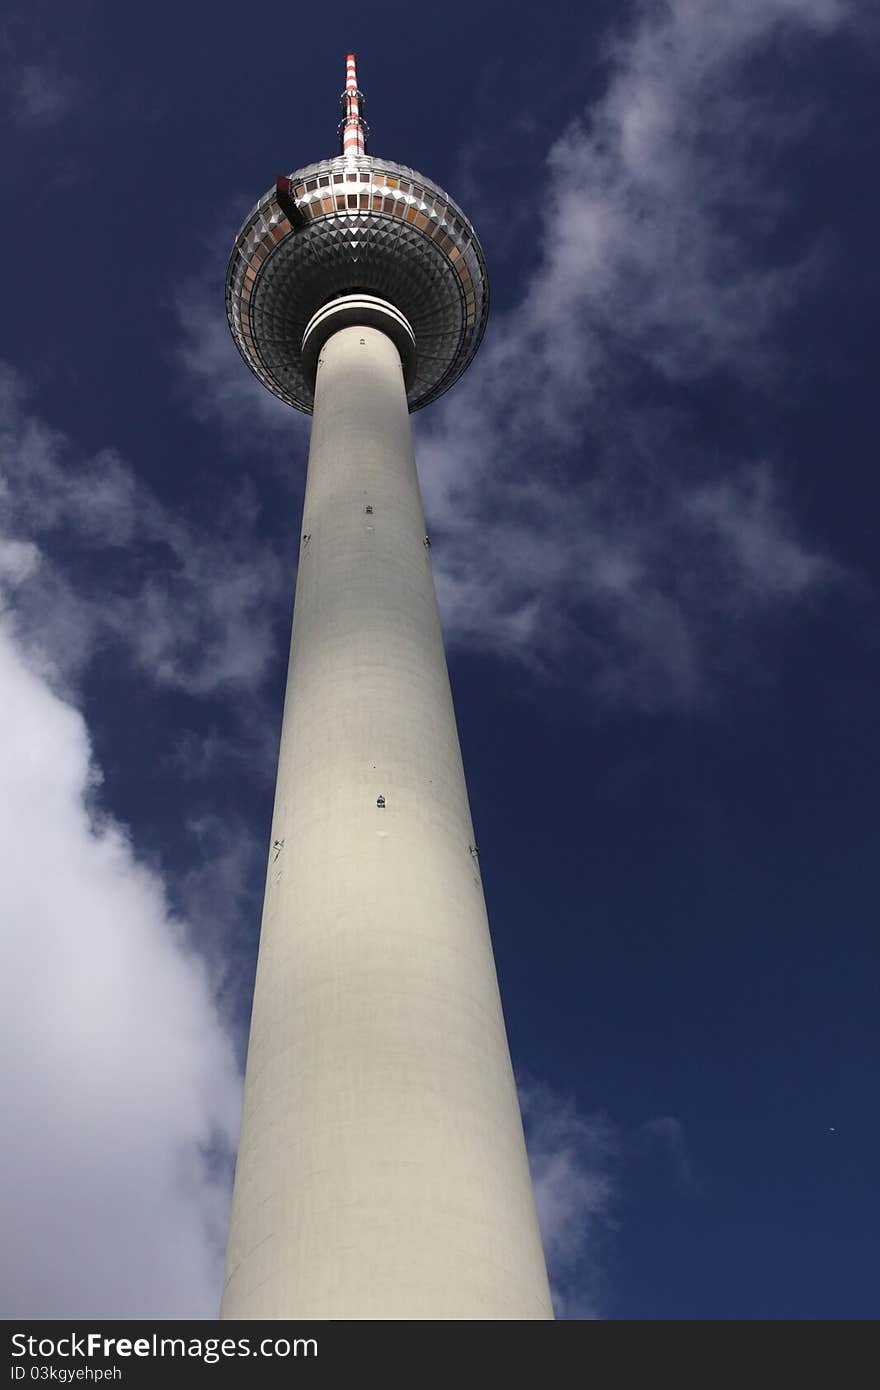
point(382, 1171)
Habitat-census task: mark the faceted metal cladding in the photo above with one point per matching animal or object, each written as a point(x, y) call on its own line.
point(365, 225)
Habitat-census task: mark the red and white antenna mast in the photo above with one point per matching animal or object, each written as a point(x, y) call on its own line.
point(353, 129)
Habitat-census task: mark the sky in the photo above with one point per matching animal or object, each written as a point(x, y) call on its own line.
point(653, 507)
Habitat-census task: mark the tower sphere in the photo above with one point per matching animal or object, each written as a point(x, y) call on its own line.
point(356, 225)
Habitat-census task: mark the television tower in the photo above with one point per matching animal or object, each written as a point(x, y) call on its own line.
point(382, 1172)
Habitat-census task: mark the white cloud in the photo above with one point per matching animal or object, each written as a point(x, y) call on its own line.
point(577, 524)
point(120, 1090)
point(569, 1155)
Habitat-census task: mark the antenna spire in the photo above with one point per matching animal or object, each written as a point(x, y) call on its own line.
point(353, 129)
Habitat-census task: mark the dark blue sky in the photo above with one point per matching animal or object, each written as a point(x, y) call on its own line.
point(653, 504)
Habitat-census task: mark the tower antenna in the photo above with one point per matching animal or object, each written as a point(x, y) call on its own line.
point(353, 129)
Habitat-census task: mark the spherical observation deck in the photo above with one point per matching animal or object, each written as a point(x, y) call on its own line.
point(357, 224)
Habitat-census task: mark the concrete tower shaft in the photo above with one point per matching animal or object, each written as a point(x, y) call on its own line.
point(382, 1171)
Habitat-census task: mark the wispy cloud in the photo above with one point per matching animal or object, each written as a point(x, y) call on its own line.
point(192, 607)
point(214, 379)
point(585, 1170)
point(581, 525)
point(41, 95)
point(570, 1156)
point(587, 521)
point(218, 893)
point(579, 528)
point(668, 1132)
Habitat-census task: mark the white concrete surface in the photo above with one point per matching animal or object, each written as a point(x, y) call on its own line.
point(382, 1172)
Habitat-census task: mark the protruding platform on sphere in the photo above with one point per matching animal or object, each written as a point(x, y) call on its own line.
point(361, 310)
